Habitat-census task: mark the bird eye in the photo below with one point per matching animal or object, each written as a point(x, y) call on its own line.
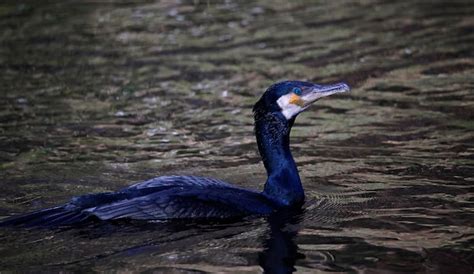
point(297, 91)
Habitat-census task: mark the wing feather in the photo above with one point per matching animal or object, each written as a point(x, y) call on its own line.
point(187, 202)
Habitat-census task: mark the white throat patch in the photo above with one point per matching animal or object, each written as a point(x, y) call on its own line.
point(288, 109)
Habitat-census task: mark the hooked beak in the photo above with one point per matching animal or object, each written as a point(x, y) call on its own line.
point(315, 92)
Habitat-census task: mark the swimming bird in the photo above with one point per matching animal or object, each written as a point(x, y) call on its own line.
point(183, 197)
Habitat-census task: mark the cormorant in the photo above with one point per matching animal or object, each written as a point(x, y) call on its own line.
point(182, 197)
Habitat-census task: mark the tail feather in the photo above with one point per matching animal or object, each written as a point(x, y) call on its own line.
point(56, 216)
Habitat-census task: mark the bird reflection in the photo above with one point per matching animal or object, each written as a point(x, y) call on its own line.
point(279, 255)
point(281, 252)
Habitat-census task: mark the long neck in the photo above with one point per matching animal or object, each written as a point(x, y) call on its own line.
point(283, 184)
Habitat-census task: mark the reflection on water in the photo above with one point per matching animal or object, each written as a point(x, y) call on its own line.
point(96, 96)
point(280, 251)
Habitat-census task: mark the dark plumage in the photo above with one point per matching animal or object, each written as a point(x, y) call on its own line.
point(179, 197)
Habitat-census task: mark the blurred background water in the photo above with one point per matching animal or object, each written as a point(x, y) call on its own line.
point(96, 95)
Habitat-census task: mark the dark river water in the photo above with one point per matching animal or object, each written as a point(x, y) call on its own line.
point(97, 95)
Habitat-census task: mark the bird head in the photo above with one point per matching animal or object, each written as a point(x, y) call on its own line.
point(293, 97)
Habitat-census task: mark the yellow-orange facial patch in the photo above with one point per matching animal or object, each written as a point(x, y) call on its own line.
point(296, 100)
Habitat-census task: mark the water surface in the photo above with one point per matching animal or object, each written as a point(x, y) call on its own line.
point(97, 95)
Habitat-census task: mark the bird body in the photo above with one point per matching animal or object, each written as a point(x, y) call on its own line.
point(183, 197)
